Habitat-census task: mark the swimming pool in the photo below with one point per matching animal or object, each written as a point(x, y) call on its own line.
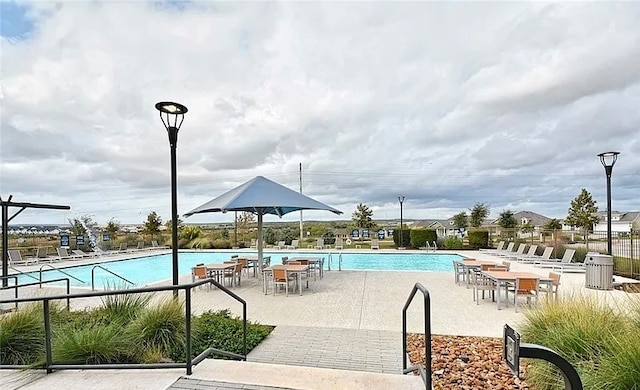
point(155, 268)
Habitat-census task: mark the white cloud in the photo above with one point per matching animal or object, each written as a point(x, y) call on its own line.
point(448, 104)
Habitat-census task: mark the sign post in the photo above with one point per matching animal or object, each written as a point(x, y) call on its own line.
point(511, 340)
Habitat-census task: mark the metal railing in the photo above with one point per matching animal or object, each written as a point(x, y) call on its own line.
point(111, 272)
point(50, 365)
point(425, 372)
point(59, 270)
point(16, 286)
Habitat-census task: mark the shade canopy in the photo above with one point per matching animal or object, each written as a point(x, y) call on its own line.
point(261, 196)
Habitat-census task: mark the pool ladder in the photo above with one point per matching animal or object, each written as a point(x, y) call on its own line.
point(330, 259)
point(111, 272)
point(59, 270)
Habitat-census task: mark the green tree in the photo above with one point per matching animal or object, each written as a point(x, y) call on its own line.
point(461, 221)
point(478, 213)
point(244, 222)
point(582, 213)
point(553, 224)
point(506, 220)
point(152, 225)
point(362, 217)
point(80, 225)
point(113, 227)
point(527, 227)
point(190, 232)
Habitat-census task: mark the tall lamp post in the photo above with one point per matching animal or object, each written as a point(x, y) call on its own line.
point(608, 160)
point(401, 200)
point(170, 112)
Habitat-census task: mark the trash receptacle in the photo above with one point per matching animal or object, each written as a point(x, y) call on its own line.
point(599, 271)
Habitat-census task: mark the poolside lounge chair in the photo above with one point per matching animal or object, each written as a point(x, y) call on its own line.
point(15, 258)
point(339, 244)
point(375, 244)
point(41, 255)
point(517, 253)
point(63, 254)
point(505, 252)
point(81, 253)
point(294, 245)
point(253, 243)
point(280, 245)
point(154, 245)
point(565, 264)
point(530, 253)
point(497, 249)
point(546, 255)
point(319, 244)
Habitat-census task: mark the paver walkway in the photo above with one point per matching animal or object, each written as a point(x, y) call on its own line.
point(345, 349)
point(185, 383)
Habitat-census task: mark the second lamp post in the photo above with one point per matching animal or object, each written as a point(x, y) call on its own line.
point(401, 200)
point(608, 160)
point(170, 112)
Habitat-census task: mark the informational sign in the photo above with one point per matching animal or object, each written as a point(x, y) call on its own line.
point(355, 233)
point(365, 233)
point(106, 237)
point(64, 240)
point(512, 349)
point(381, 234)
point(389, 232)
point(79, 240)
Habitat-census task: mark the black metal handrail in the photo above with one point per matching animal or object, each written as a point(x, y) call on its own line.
point(59, 270)
point(111, 272)
point(16, 286)
point(189, 363)
point(425, 372)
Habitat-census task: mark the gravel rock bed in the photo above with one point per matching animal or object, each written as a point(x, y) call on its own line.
point(462, 362)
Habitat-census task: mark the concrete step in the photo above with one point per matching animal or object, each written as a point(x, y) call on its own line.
point(258, 375)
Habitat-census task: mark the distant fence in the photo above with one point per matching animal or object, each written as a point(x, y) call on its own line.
point(625, 246)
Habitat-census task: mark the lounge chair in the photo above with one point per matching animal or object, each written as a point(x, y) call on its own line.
point(41, 254)
point(319, 244)
point(63, 254)
point(339, 244)
point(517, 253)
point(81, 253)
point(565, 264)
point(375, 244)
point(532, 259)
point(294, 245)
point(15, 258)
point(506, 252)
point(280, 245)
point(253, 243)
point(497, 249)
point(154, 245)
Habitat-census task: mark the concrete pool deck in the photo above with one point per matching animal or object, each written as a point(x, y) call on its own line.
point(348, 300)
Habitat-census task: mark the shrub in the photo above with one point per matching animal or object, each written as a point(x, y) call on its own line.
point(222, 331)
point(161, 326)
point(22, 336)
point(418, 237)
point(406, 237)
point(201, 243)
point(596, 338)
point(123, 308)
point(478, 239)
point(97, 344)
point(221, 244)
point(453, 242)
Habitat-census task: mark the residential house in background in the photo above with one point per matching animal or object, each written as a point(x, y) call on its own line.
point(621, 222)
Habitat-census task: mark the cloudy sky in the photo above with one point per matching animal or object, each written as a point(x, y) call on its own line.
point(447, 104)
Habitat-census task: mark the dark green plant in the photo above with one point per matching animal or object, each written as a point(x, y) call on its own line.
point(406, 237)
point(478, 239)
point(418, 237)
point(161, 326)
point(582, 213)
point(123, 308)
point(477, 214)
point(452, 242)
point(362, 217)
point(220, 330)
point(22, 336)
point(97, 344)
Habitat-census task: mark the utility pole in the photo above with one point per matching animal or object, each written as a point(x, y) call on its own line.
point(301, 227)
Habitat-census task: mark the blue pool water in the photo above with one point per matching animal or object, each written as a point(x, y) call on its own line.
point(155, 268)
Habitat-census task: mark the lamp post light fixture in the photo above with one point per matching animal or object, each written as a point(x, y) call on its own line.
point(170, 113)
point(608, 160)
point(401, 200)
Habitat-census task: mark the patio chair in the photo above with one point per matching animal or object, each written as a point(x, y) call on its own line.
point(525, 288)
point(551, 287)
point(280, 245)
point(339, 244)
point(235, 273)
point(199, 272)
point(319, 244)
point(279, 278)
point(15, 258)
point(514, 255)
point(294, 245)
point(479, 282)
point(375, 244)
point(81, 253)
point(505, 252)
point(459, 272)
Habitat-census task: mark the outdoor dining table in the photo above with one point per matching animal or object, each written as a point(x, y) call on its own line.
point(217, 271)
point(503, 278)
point(313, 262)
point(297, 269)
point(472, 264)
